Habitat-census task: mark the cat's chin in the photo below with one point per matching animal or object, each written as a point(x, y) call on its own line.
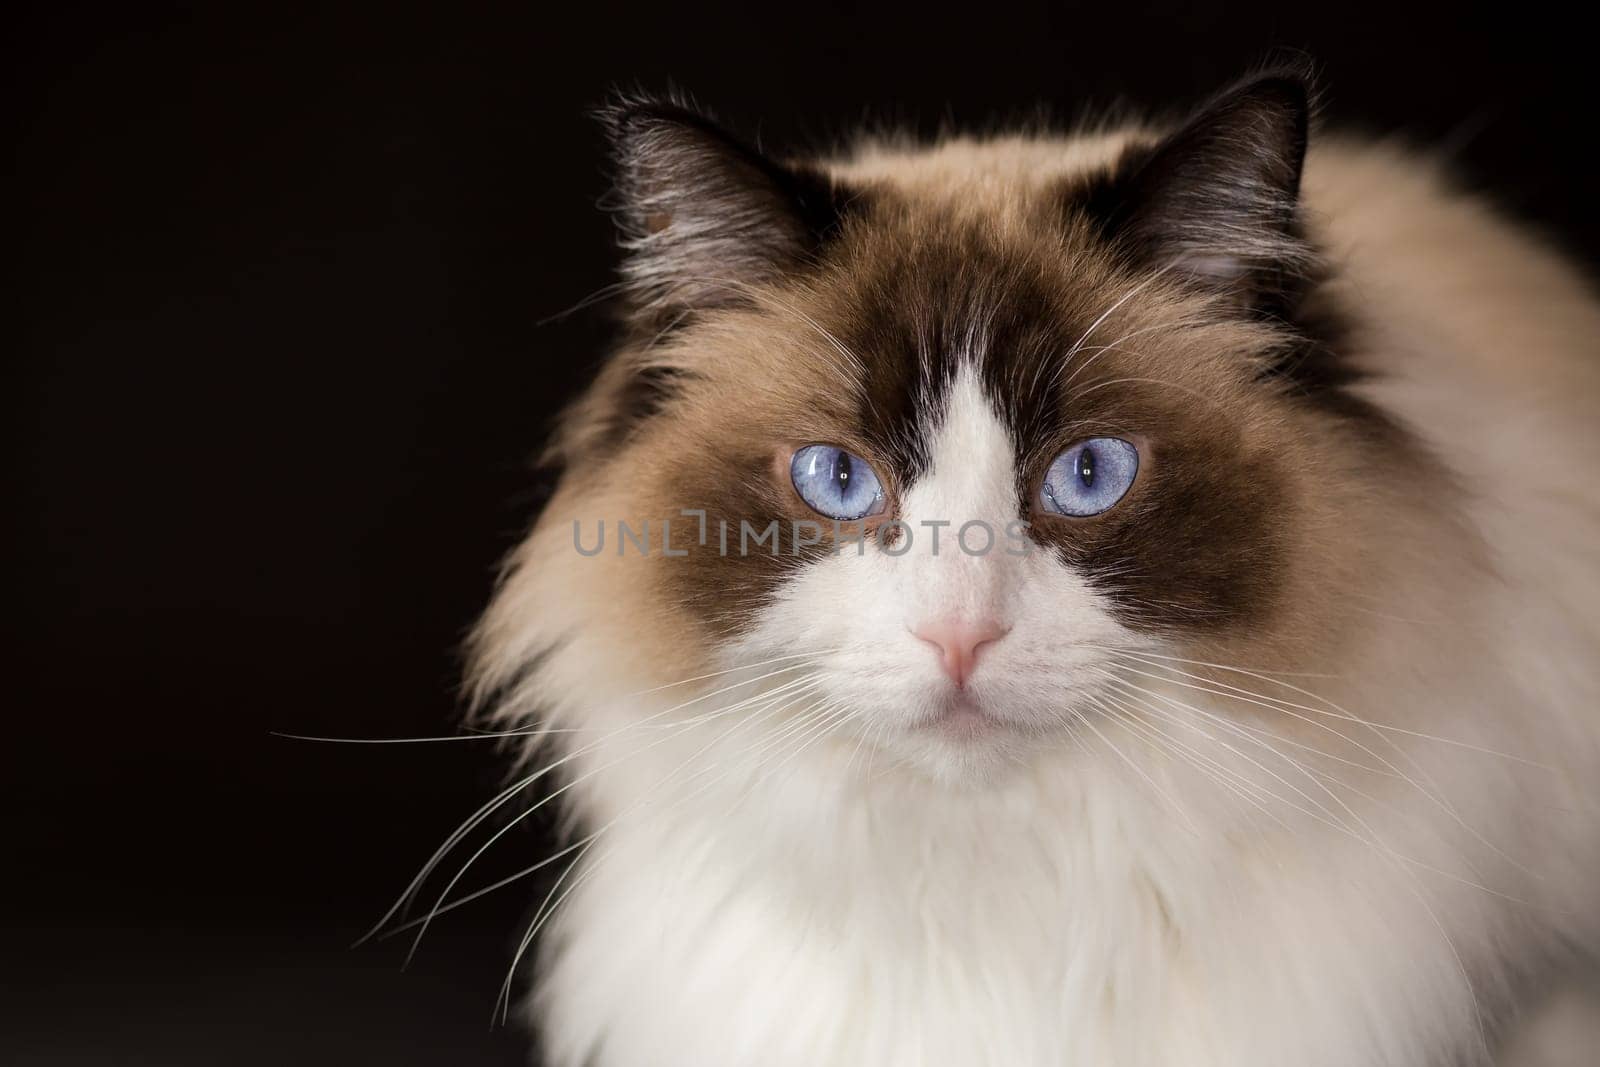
point(964, 740)
point(964, 719)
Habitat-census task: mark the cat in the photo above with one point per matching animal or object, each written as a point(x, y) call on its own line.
point(1121, 598)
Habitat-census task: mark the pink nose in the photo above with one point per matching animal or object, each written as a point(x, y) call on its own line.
point(958, 642)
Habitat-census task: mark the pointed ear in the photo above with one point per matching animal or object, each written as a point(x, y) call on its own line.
point(702, 214)
point(1217, 200)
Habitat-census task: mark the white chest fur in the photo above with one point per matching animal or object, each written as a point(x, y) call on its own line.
point(1059, 920)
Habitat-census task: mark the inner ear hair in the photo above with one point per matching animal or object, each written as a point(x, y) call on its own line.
point(702, 215)
point(1217, 199)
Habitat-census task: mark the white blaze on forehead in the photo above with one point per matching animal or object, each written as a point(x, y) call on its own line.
point(971, 479)
point(973, 470)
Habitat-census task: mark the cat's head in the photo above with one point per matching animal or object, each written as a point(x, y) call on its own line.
point(945, 434)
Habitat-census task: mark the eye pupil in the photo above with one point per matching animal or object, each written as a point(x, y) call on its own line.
point(1090, 477)
point(827, 480)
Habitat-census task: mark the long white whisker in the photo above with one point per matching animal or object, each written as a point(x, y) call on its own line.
point(505, 796)
point(452, 905)
point(1176, 807)
point(1206, 764)
point(1276, 678)
point(1401, 864)
point(1322, 814)
point(1291, 709)
point(547, 908)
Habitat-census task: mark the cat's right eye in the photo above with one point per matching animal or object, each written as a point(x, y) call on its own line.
point(836, 483)
point(1090, 477)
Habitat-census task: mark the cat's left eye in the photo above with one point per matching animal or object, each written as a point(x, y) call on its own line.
point(836, 483)
point(1090, 477)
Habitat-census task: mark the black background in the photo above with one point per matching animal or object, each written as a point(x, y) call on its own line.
point(277, 368)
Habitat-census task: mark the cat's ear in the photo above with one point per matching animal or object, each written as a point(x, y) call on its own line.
point(702, 214)
point(1217, 200)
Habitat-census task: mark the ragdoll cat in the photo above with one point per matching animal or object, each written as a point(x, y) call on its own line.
point(1112, 599)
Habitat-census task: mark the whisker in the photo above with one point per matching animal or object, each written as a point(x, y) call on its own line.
point(505, 796)
point(1276, 678)
point(451, 906)
point(483, 891)
point(1287, 708)
point(1323, 814)
point(1100, 350)
point(512, 822)
point(1178, 808)
point(534, 731)
point(481, 735)
point(1197, 394)
point(1198, 759)
point(547, 909)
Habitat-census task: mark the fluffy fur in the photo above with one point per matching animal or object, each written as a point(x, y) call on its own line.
point(1289, 758)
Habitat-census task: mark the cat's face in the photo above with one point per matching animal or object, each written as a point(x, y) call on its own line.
point(1006, 432)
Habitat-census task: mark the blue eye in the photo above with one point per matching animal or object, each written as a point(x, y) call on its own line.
point(1090, 477)
point(835, 483)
